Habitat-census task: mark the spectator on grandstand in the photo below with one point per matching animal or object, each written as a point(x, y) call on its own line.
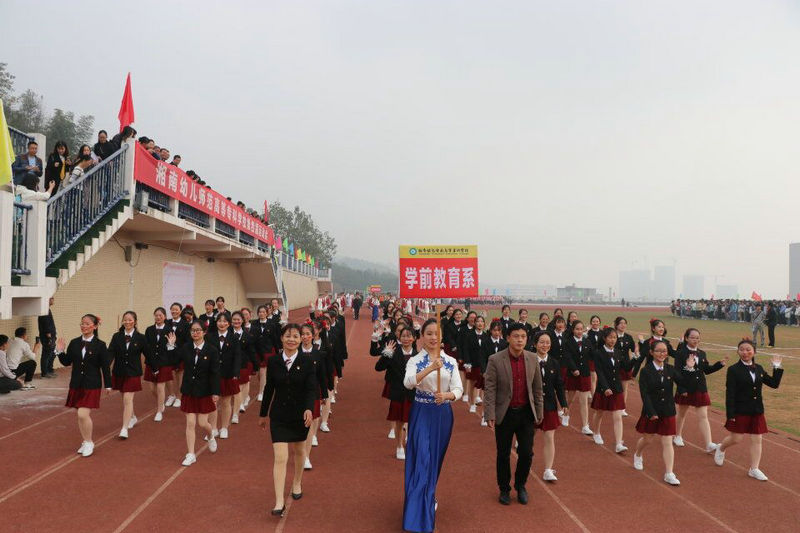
point(27, 164)
point(57, 168)
point(176, 160)
point(155, 151)
point(85, 149)
point(771, 321)
point(758, 323)
point(19, 349)
point(127, 133)
point(8, 381)
point(103, 148)
point(28, 190)
point(163, 154)
point(84, 162)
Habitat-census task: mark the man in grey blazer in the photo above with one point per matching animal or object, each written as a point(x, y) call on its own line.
point(513, 405)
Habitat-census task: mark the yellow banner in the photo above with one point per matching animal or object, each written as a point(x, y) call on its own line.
point(438, 251)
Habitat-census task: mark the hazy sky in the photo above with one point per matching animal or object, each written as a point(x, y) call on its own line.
point(568, 140)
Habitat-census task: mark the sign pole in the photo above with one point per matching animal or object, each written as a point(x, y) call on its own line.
point(438, 348)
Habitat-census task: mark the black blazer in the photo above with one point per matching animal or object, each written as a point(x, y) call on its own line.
point(321, 370)
point(230, 355)
point(608, 371)
point(644, 352)
point(556, 348)
point(127, 361)
point(532, 334)
point(87, 370)
point(450, 334)
point(552, 384)
point(578, 357)
point(52, 172)
point(658, 398)
point(594, 338)
point(694, 381)
point(263, 336)
point(209, 322)
point(289, 392)
point(472, 347)
point(395, 368)
point(247, 347)
point(743, 394)
point(201, 378)
point(158, 355)
point(506, 324)
point(47, 329)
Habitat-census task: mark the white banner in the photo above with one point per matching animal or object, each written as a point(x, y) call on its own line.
point(177, 284)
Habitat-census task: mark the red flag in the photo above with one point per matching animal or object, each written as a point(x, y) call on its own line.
point(266, 212)
point(125, 116)
point(755, 296)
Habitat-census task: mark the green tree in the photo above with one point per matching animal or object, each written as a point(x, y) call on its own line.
point(27, 114)
point(301, 229)
point(6, 86)
point(62, 126)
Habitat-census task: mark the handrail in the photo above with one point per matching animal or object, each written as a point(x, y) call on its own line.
point(63, 190)
point(19, 140)
point(19, 250)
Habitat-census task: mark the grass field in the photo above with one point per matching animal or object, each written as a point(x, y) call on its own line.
point(718, 339)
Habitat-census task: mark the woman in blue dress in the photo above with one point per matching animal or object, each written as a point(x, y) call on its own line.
point(430, 426)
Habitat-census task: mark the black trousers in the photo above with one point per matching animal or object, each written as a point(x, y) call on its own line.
point(356, 311)
point(27, 368)
point(48, 357)
point(771, 334)
point(8, 384)
point(517, 422)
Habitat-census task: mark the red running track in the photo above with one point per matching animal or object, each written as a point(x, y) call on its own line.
point(357, 484)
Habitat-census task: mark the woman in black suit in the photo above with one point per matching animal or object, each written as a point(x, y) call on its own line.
point(577, 355)
point(392, 361)
point(90, 362)
point(179, 325)
point(288, 400)
point(658, 331)
point(126, 349)
point(744, 405)
point(593, 335)
point(158, 366)
point(249, 362)
point(200, 387)
point(311, 348)
point(263, 333)
point(471, 350)
point(230, 363)
point(626, 346)
point(57, 167)
point(554, 396)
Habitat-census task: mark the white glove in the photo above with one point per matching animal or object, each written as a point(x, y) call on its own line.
point(467, 367)
point(387, 353)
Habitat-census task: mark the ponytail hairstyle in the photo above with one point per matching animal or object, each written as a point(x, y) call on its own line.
point(655, 322)
point(96, 321)
point(309, 327)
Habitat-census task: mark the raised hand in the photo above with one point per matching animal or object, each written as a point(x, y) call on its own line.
point(776, 359)
point(61, 345)
point(390, 346)
point(691, 361)
point(725, 360)
point(171, 338)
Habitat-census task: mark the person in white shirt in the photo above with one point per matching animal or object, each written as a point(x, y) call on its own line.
point(8, 381)
point(21, 359)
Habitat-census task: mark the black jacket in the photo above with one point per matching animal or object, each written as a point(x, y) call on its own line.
point(88, 369)
point(506, 324)
point(644, 352)
point(556, 347)
point(489, 349)
point(47, 329)
point(52, 172)
point(578, 357)
point(395, 368)
point(608, 370)
point(289, 392)
point(230, 355)
point(158, 355)
point(658, 398)
point(127, 360)
point(472, 347)
point(321, 370)
point(694, 381)
point(247, 347)
point(743, 394)
point(552, 384)
point(201, 378)
point(450, 335)
point(594, 338)
point(263, 336)
point(104, 150)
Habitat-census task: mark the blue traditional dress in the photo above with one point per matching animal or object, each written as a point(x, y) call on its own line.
point(429, 429)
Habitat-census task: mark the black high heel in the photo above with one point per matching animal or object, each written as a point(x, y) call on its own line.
point(279, 512)
point(297, 496)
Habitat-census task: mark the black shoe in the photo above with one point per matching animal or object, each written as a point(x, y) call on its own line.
point(505, 497)
point(297, 496)
point(278, 512)
point(522, 495)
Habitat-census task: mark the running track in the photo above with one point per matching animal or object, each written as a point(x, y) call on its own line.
point(357, 485)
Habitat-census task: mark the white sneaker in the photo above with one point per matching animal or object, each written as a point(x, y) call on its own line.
point(473, 408)
point(170, 400)
point(333, 399)
point(565, 421)
point(235, 419)
point(598, 439)
point(177, 402)
point(223, 433)
point(624, 412)
point(123, 433)
point(83, 445)
point(159, 416)
point(586, 431)
point(478, 400)
point(670, 478)
point(314, 441)
point(324, 428)
point(242, 408)
point(638, 462)
point(465, 399)
point(712, 447)
point(757, 474)
point(483, 422)
point(260, 396)
point(391, 433)
point(560, 413)
point(189, 460)
point(212, 445)
point(719, 457)
point(88, 449)
point(677, 440)
point(549, 475)
point(619, 448)
point(132, 422)
point(401, 454)
point(307, 465)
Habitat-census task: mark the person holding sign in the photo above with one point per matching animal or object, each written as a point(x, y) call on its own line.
point(437, 381)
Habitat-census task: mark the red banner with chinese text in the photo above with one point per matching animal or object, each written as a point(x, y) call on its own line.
point(175, 183)
point(441, 271)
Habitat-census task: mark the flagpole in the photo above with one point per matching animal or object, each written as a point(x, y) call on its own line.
point(438, 348)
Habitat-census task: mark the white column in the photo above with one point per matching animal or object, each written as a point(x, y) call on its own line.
point(6, 235)
point(36, 243)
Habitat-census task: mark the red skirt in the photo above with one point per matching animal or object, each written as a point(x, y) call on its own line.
point(474, 373)
point(550, 421)
point(578, 383)
point(399, 411)
point(197, 404)
point(126, 384)
point(753, 424)
point(625, 375)
point(164, 374)
point(479, 382)
point(386, 389)
point(461, 366)
point(695, 399)
point(180, 367)
point(601, 402)
point(244, 373)
point(316, 412)
point(83, 398)
point(591, 365)
point(228, 386)
point(661, 426)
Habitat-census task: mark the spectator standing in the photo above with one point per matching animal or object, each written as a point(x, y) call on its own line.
point(58, 164)
point(28, 190)
point(8, 381)
point(771, 321)
point(164, 153)
point(117, 140)
point(19, 349)
point(84, 162)
point(176, 160)
point(27, 164)
point(103, 148)
point(85, 149)
point(357, 303)
point(759, 316)
point(47, 336)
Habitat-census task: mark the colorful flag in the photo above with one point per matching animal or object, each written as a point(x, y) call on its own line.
point(278, 243)
point(285, 243)
point(6, 149)
point(755, 296)
point(290, 247)
point(266, 212)
point(126, 117)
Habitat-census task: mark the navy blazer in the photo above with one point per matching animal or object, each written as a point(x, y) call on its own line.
point(395, 368)
point(288, 393)
point(658, 398)
point(552, 384)
point(20, 170)
point(230, 354)
point(608, 370)
point(157, 354)
point(694, 381)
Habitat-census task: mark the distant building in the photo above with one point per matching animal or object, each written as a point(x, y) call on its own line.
point(634, 285)
point(693, 286)
point(725, 292)
point(663, 288)
point(794, 269)
point(524, 292)
point(578, 294)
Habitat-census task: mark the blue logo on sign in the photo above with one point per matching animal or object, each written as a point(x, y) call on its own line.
point(412, 251)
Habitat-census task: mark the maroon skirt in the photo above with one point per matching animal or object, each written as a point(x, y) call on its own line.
point(180, 367)
point(662, 426)
point(591, 365)
point(461, 367)
point(164, 374)
point(399, 411)
point(386, 390)
point(316, 412)
point(578, 383)
point(228, 386)
point(479, 381)
point(197, 404)
point(244, 373)
point(694, 399)
point(83, 398)
point(550, 421)
point(126, 384)
point(601, 402)
point(625, 375)
point(753, 424)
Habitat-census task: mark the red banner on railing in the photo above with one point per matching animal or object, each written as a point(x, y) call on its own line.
point(175, 183)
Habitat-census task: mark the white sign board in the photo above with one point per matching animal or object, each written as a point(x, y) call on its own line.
point(177, 284)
